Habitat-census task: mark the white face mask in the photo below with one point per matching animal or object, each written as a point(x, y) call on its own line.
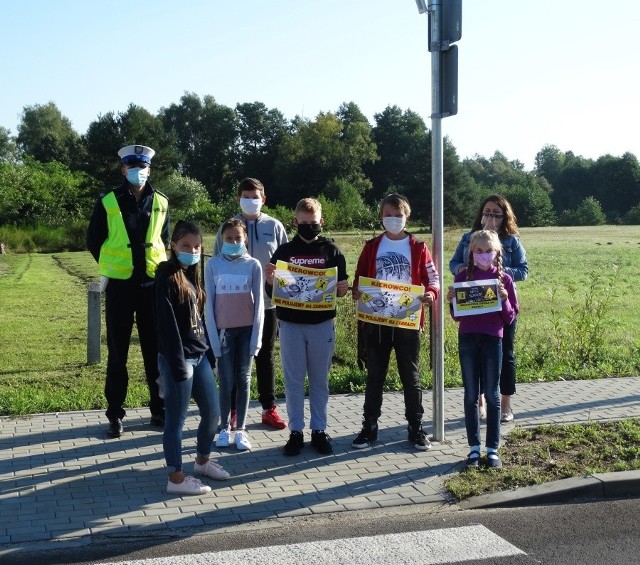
point(393, 225)
point(250, 206)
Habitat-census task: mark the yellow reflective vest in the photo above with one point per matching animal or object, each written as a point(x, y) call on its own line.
point(116, 258)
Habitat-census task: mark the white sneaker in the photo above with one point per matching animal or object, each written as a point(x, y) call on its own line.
point(211, 469)
point(507, 417)
point(242, 440)
point(190, 485)
point(223, 438)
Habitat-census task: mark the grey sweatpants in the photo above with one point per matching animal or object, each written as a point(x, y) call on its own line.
point(307, 349)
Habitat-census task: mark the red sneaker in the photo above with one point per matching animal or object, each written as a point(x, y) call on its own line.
point(233, 419)
point(272, 419)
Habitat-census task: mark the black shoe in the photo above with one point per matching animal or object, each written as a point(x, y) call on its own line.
point(157, 420)
point(419, 438)
point(473, 460)
point(115, 427)
point(368, 434)
point(493, 460)
point(321, 442)
point(295, 444)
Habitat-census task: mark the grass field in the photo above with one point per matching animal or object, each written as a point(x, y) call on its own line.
point(578, 320)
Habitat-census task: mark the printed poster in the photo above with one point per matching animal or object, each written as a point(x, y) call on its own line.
point(389, 303)
point(476, 297)
point(304, 288)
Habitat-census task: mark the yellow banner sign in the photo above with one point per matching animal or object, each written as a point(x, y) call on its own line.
point(303, 288)
point(389, 303)
point(476, 297)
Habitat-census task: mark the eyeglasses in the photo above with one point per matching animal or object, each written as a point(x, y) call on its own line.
point(489, 215)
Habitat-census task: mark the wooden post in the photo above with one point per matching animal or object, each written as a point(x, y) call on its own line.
point(94, 314)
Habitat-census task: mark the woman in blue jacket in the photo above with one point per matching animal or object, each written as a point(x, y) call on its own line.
point(495, 213)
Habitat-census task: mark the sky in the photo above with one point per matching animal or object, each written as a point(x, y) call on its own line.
point(531, 73)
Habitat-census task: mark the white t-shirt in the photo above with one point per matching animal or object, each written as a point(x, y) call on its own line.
point(393, 261)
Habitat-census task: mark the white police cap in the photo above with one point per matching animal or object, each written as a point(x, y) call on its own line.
point(133, 153)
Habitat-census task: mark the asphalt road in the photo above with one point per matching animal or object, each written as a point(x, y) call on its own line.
point(604, 532)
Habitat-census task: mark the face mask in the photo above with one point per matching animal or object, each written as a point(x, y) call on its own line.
point(489, 223)
point(233, 249)
point(137, 176)
point(188, 259)
point(484, 259)
point(250, 206)
point(393, 225)
point(309, 231)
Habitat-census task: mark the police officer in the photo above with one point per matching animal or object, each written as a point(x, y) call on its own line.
point(128, 235)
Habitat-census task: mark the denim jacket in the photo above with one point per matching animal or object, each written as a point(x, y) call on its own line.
point(514, 258)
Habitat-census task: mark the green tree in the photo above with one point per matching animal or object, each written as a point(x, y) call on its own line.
point(205, 134)
point(259, 133)
point(549, 163)
point(588, 213)
point(7, 146)
point(616, 184)
point(403, 144)
point(531, 204)
point(346, 210)
point(190, 201)
point(43, 193)
point(46, 135)
point(528, 192)
point(316, 153)
point(110, 132)
point(632, 217)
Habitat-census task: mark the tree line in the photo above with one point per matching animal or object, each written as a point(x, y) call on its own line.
point(50, 174)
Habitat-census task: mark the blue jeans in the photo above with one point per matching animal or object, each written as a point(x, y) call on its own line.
point(201, 386)
point(481, 358)
point(234, 368)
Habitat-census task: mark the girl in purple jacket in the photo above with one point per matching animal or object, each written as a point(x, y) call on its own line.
point(480, 344)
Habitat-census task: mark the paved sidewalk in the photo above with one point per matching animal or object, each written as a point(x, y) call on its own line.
point(62, 478)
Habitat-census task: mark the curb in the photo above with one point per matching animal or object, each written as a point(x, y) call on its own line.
point(598, 486)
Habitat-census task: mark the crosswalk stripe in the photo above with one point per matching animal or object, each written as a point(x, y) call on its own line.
point(448, 545)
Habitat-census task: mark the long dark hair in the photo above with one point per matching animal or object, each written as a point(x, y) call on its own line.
point(509, 225)
point(180, 274)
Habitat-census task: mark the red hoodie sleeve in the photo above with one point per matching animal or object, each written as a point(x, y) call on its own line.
point(429, 277)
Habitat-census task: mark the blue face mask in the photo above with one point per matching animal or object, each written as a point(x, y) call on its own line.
point(233, 248)
point(188, 259)
point(137, 176)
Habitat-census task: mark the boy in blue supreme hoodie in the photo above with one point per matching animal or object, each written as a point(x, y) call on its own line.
point(307, 338)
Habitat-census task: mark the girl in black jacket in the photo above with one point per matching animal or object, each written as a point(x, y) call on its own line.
point(184, 368)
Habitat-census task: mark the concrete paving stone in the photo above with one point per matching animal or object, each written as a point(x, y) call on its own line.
point(33, 535)
point(70, 455)
point(293, 512)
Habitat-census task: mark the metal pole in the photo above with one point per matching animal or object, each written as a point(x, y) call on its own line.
point(93, 323)
point(437, 319)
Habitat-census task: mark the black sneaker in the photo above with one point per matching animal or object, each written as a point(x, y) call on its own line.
point(368, 434)
point(419, 439)
point(115, 427)
point(157, 420)
point(321, 442)
point(295, 444)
